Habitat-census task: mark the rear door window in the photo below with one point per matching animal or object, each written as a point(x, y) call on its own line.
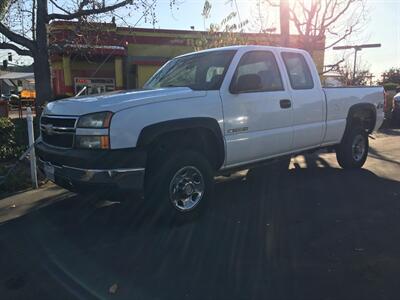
point(298, 71)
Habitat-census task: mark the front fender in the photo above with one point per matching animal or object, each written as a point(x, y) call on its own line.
point(127, 125)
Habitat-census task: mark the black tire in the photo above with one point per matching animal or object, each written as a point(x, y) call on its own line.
point(352, 152)
point(161, 180)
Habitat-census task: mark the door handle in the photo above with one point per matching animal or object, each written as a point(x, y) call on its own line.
point(285, 103)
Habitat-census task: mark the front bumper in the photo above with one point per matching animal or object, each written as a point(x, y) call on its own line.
point(77, 169)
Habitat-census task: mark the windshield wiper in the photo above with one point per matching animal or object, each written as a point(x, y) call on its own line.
point(173, 85)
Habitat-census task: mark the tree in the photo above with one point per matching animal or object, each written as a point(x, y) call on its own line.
point(391, 76)
point(284, 22)
point(225, 33)
point(321, 21)
point(363, 75)
point(335, 20)
point(24, 28)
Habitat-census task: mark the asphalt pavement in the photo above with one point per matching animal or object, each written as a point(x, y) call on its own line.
point(314, 232)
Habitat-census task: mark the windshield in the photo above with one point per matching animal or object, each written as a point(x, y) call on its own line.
point(201, 71)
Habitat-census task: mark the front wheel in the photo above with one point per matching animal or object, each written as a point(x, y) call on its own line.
point(180, 187)
point(352, 152)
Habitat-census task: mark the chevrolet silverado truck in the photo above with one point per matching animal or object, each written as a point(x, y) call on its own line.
point(205, 113)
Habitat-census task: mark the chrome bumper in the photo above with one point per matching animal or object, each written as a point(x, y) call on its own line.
point(125, 178)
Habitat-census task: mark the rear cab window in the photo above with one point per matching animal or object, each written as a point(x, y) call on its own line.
point(298, 71)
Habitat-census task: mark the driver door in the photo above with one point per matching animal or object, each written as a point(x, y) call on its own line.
point(258, 122)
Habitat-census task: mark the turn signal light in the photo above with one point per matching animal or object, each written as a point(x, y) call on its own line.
point(104, 142)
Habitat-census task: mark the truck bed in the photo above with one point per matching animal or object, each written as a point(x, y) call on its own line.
point(340, 99)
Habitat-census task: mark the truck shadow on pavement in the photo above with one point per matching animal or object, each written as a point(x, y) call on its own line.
point(375, 154)
point(314, 232)
point(395, 131)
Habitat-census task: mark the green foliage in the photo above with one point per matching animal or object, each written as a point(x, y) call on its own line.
point(21, 131)
point(362, 76)
point(7, 139)
point(13, 142)
point(17, 180)
point(226, 33)
point(206, 9)
point(391, 76)
point(4, 5)
point(390, 86)
point(13, 138)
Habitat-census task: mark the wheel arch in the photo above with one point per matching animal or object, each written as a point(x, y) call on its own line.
point(207, 128)
point(364, 113)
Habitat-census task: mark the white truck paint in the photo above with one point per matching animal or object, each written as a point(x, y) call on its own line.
point(293, 114)
point(318, 115)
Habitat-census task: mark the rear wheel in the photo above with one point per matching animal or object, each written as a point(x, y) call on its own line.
point(180, 187)
point(352, 152)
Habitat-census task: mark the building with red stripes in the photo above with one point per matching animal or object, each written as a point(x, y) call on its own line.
point(104, 57)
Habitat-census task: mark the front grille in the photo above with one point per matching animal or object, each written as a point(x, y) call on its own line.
point(59, 122)
point(58, 131)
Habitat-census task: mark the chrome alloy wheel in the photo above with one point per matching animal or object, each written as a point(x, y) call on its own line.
point(186, 188)
point(358, 147)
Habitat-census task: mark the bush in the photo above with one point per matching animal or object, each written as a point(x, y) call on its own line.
point(13, 138)
point(390, 86)
point(13, 142)
point(18, 179)
point(21, 131)
point(6, 130)
point(9, 149)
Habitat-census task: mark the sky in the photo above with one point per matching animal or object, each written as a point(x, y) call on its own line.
point(382, 26)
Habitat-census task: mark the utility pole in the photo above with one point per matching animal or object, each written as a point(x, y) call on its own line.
point(284, 22)
point(356, 49)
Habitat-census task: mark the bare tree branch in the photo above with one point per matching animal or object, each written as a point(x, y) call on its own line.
point(343, 37)
point(16, 38)
point(296, 22)
point(303, 6)
point(314, 20)
point(60, 7)
point(361, 77)
point(19, 51)
point(270, 3)
point(88, 12)
point(333, 67)
point(26, 11)
point(340, 13)
point(83, 3)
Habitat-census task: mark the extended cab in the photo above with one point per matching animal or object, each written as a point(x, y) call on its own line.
point(201, 114)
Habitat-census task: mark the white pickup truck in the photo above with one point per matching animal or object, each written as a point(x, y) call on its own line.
point(203, 114)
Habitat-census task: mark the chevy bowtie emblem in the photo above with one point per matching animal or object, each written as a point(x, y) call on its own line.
point(48, 129)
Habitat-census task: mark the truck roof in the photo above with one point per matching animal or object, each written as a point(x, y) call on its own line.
point(248, 47)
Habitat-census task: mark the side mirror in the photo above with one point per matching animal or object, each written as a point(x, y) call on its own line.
point(246, 83)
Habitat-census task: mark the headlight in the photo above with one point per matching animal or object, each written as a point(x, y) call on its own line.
point(92, 141)
point(95, 120)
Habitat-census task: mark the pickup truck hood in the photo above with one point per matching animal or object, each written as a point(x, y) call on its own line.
point(119, 100)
